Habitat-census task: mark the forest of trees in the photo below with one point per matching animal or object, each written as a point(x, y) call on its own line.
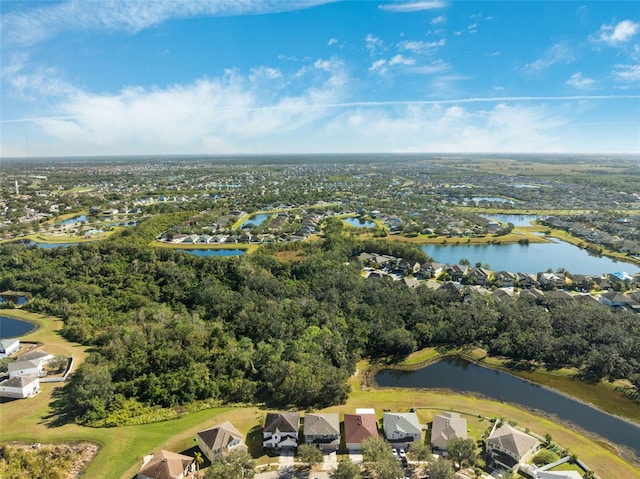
point(169, 328)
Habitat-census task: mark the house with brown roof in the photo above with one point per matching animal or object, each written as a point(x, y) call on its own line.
point(166, 465)
point(323, 431)
point(446, 426)
point(220, 440)
point(358, 427)
point(509, 447)
point(280, 431)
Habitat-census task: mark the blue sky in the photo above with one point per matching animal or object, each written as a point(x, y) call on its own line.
point(313, 76)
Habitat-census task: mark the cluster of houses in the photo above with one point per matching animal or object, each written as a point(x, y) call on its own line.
point(507, 446)
point(219, 234)
point(24, 373)
point(539, 287)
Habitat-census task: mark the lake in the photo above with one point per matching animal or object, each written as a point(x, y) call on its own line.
point(516, 220)
point(461, 375)
point(12, 328)
point(359, 222)
point(47, 245)
point(255, 220)
point(16, 299)
point(213, 252)
point(531, 258)
point(75, 219)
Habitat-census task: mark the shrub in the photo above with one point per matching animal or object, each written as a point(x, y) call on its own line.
point(545, 456)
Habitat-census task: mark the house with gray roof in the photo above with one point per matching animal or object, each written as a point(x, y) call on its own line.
point(220, 440)
point(401, 428)
point(280, 431)
point(323, 431)
point(446, 426)
point(20, 387)
point(509, 447)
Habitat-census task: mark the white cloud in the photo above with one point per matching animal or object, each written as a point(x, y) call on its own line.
point(622, 32)
point(627, 73)
point(332, 41)
point(378, 65)
point(582, 83)
point(401, 60)
point(268, 73)
point(558, 53)
point(421, 46)
point(412, 6)
point(437, 20)
point(37, 23)
point(373, 43)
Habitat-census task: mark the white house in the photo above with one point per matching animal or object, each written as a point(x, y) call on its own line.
point(25, 368)
point(20, 387)
point(281, 430)
point(8, 347)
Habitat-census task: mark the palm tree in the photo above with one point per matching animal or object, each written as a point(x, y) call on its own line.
point(198, 459)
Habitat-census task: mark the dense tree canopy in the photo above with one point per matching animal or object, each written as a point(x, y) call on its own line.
point(169, 328)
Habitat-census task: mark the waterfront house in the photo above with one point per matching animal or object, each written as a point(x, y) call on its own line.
point(508, 447)
point(220, 440)
point(401, 428)
point(430, 270)
point(25, 368)
point(446, 426)
point(504, 279)
point(8, 347)
point(323, 431)
point(280, 431)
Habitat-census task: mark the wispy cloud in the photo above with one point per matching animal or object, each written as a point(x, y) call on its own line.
point(558, 53)
point(622, 32)
point(373, 44)
point(580, 82)
point(421, 46)
point(627, 73)
point(437, 20)
point(37, 23)
point(407, 7)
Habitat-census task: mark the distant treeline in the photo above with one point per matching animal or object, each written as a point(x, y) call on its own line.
point(171, 328)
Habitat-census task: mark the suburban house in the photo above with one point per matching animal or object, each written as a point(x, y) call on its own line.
point(358, 427)
point(401, 428)
point(20, 387)
point(614, 299)
point(280, 431)
point(25, 368)
point(527, 281)
point(430, 269)
point(220, 440)
point(456, 272)
point(8, 347)
point(549, 280)
point(557, 475)
point(509, 446)
point(445, 426)
point(29, 364)
point(478, 276)
point(166, 465)
point(323, 431)
point(504, 279)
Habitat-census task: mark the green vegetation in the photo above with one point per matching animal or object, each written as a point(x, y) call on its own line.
point(378, 459)
point(235, 465)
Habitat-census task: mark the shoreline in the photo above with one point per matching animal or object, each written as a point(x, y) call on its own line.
point(368, 383)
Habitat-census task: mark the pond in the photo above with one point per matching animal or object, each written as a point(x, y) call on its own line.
point(12, 328)
point(515, 220)
point(123, 223)
point(75, 219)
point(531, 258)
point(461, 375)
point(17, 299)
point(491, 199)
point(255, 220)
point(47, 245)
point(213, 252)
point(359, 222)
